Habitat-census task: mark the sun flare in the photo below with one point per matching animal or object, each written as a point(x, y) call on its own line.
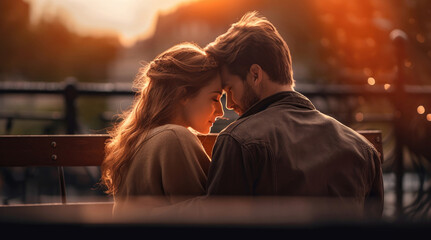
point(129, 19)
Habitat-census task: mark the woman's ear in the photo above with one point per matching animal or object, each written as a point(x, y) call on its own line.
point(182, 93)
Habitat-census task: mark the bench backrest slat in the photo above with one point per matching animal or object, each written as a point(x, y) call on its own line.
point(52, 150)
point(85, 150)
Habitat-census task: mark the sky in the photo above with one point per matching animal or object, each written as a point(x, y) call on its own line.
point(131, 19)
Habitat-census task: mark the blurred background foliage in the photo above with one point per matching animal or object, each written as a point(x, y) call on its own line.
point(48, 50)
point(331, 41)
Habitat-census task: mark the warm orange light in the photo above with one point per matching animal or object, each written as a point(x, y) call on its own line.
point(407, 63)
point(367, 72)
point(324, 42)
point(359, 117)
point(371, 81)
point(420, 38)
point(387, 86)
point(429, 117)
point(421, 109)
point(370, 42)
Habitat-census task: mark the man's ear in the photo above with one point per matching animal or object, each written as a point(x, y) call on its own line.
point(256, 74)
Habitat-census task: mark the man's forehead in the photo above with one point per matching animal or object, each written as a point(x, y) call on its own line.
point(225, 76)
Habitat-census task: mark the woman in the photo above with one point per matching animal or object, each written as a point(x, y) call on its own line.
point(152, 151)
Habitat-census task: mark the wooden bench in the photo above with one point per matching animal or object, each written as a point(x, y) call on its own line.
point(88, 150)
point(84, 150)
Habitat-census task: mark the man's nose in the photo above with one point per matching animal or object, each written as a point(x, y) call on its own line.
point(229, 102)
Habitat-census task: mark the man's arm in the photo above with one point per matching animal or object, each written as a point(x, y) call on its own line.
point(227, 174)
point(375, 199)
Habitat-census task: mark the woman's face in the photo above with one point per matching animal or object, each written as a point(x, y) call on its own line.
point(201, 111)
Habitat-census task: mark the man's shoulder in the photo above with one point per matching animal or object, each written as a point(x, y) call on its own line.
point(247, 128)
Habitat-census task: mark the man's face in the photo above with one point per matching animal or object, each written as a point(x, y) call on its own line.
point(240, 96)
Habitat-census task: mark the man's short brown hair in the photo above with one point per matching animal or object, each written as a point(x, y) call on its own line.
point(253, 40)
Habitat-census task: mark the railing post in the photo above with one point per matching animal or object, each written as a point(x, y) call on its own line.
point(70, 95)
point(399, 39)
point(9, 122)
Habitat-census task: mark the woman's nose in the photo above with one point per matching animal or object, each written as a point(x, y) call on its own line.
point(219, 110)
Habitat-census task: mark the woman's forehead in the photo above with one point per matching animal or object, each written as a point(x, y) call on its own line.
point(215, 85)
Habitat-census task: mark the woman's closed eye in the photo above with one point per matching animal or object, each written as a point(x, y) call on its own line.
point(216, 98)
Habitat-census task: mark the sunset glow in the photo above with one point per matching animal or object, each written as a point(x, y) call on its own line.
point(129, 19)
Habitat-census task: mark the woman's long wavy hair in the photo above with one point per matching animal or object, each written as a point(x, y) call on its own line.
point(178, 73)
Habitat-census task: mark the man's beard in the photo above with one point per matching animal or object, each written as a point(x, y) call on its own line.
point(249, 98)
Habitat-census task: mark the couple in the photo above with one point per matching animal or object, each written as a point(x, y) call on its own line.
point(279, 146)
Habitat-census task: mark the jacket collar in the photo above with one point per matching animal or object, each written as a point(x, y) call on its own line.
point(286, 97)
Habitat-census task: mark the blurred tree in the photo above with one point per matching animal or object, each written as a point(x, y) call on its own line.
point(58, 53)
point(49, 51)
point(14, 30)
point(414, 17)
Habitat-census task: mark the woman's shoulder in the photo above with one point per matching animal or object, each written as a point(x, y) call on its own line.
point(172, 142)
point(171, 131)
point(177, 139)
point(175, 128)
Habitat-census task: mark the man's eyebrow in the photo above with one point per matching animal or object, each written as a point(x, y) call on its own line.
point(219, 92)
point(223, 84)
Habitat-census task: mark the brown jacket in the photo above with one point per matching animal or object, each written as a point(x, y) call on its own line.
point(283, 146)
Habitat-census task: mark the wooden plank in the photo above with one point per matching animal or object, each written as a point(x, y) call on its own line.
point(57, 212)
point(86, 150)
point(244, 210)
point(52, 150)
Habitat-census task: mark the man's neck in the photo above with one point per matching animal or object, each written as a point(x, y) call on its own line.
point(274, 88)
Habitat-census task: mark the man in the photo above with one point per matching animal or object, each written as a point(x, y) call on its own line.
point(281, 145)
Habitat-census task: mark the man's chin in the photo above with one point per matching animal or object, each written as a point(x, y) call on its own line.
point(238, 111)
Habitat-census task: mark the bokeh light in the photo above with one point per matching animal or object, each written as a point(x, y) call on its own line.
point(387, 86)
point(421, 109)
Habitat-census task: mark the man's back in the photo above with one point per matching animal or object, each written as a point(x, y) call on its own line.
point(283, 146)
